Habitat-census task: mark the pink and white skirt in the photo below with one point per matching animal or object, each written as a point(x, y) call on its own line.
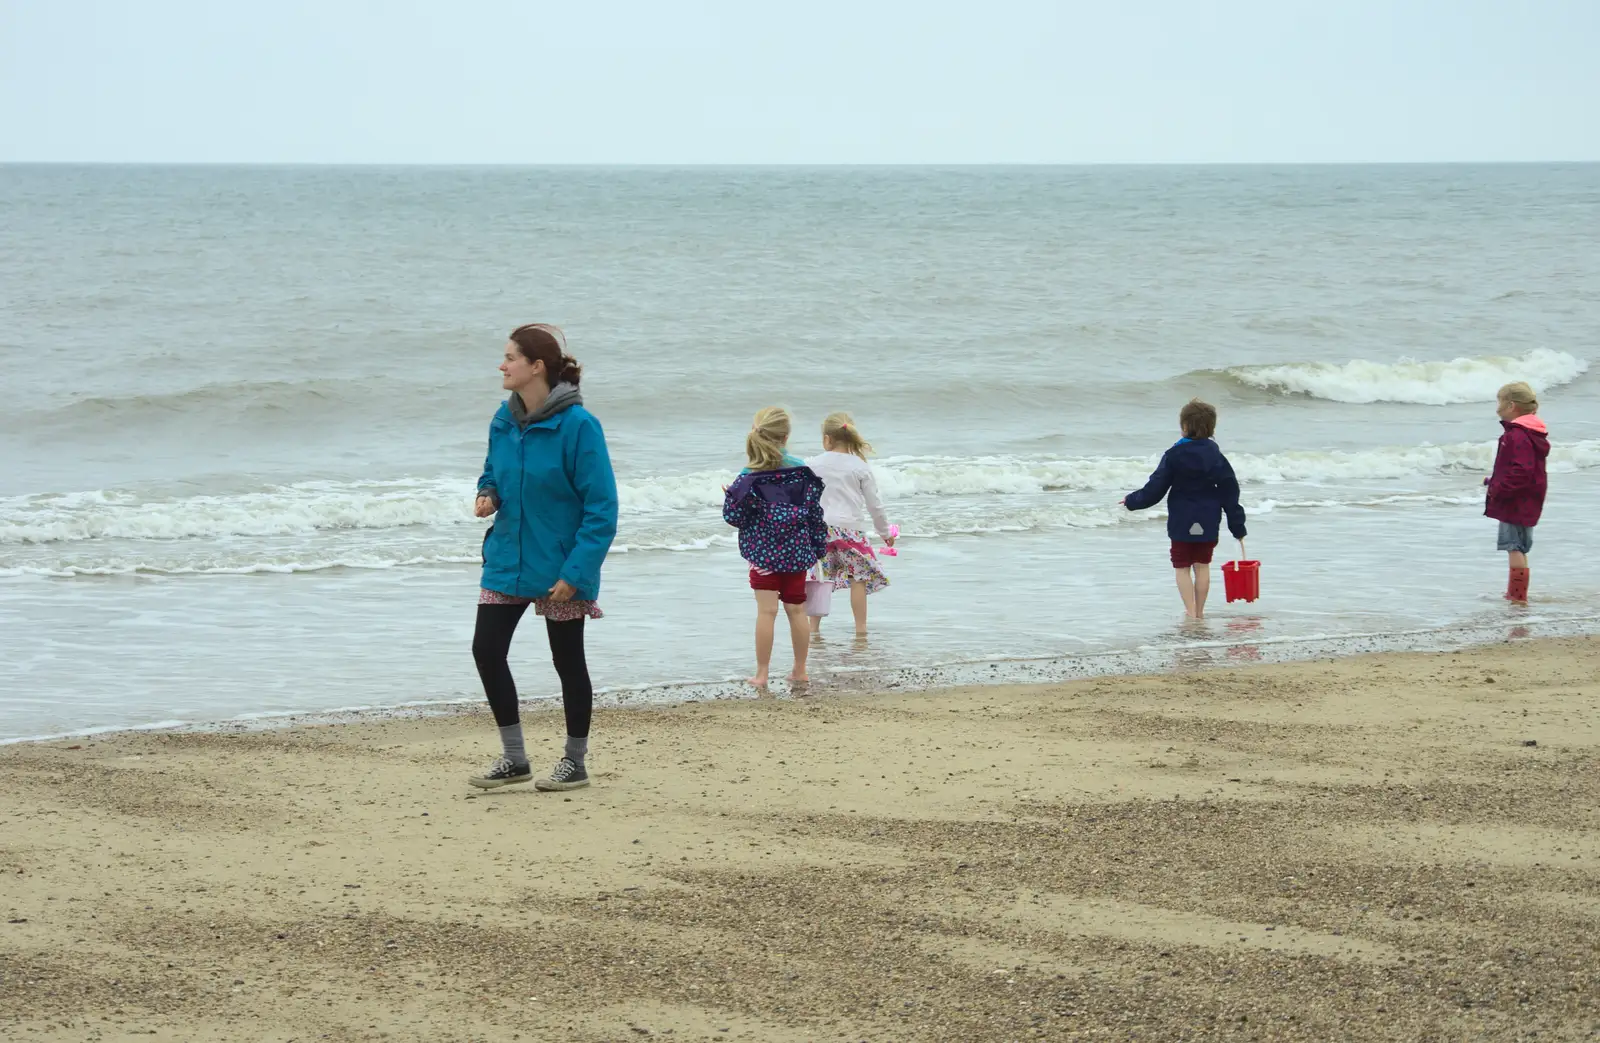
point(851, 559)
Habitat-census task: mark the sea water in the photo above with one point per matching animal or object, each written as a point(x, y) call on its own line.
point(242, 412)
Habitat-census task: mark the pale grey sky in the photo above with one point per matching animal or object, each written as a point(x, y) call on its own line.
point(1002, 81)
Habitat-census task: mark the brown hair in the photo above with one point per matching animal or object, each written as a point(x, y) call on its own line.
point(1198, 419)
point(769, 436)
point(1521, 396)
point(542, 342)
point(842, 431)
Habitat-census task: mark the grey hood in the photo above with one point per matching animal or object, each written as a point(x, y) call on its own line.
point(562, 396)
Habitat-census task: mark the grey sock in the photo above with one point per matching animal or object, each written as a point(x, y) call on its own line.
point(577, 749)
point(511, 740)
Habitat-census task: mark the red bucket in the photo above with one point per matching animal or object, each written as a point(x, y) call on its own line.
point(1242, 580)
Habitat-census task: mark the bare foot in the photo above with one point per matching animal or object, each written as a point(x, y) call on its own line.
point(759, 680)
point(861, 633)
point(799, 677)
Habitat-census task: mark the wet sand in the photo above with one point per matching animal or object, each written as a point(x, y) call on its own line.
point(1395, 847)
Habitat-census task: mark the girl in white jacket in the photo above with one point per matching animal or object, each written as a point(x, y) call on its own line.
point(849, 495)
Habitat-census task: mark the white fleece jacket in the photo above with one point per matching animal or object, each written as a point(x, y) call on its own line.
point(850, 492)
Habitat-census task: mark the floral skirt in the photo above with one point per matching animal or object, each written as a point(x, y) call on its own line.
point(555, 611)
point(850, 559)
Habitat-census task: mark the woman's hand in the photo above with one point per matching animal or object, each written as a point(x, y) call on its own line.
point(888, 541)
point(562, 591)
point(483, 506)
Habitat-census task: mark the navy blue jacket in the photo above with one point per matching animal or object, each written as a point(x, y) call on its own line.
point(779, 518)
point(1199, 486)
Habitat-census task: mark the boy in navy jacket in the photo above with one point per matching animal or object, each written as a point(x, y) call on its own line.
point(1199, 486)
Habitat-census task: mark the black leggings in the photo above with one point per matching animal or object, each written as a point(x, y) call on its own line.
point(492, 640)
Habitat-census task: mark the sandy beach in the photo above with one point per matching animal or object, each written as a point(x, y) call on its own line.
point(1397, 847)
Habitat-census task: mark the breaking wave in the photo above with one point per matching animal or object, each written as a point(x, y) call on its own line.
point(1459, 380)
point(659, 503)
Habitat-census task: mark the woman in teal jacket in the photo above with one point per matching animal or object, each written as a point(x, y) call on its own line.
point(548, 482)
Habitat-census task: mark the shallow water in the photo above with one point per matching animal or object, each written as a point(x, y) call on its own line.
point(257, 498)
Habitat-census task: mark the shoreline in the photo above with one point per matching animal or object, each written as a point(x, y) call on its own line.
point(1237, 651)
point(1378, 847)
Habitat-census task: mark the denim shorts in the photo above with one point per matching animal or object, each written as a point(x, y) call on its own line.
point(1515, 537)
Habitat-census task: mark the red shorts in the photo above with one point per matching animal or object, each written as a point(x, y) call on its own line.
point(1185, 554)
point(791, 586)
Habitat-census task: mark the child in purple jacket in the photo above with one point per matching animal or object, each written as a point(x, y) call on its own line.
point(1517, 485)
point(776, 504)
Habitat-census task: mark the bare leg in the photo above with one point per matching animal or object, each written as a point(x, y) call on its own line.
point(1519, 560)
point(816, 626)
point(1186, 590)
point(1202, 587)
point(858, 607)
point(766, 623)
point(800, 637)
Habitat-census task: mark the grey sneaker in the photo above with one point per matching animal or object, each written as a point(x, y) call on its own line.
point(564, 776)
point(502, 773)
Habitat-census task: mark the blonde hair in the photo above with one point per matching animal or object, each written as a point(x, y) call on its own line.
point(1521, 396)
point(842, 431)
point(769, 437)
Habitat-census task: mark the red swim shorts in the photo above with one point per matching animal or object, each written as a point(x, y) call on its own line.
point(791, 586)
point(1185, 554)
